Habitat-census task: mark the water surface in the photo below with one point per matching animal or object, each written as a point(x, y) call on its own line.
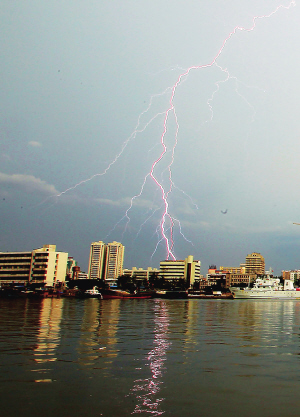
point(149, 357)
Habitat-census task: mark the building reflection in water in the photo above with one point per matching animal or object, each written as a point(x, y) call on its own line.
point(48, 337)
point(267, 322)
point(147, 390)
point(98, 335)
point(89, 331)
point(190, 314)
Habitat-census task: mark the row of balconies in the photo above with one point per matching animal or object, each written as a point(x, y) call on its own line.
point(11, 260)
point(40, 259)
point(38, 275)
point(3, 276)
point(14, 256)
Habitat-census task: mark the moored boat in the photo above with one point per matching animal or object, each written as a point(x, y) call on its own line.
point(171, 294)
point(216, 296)
point(110, 293)
point(268, 288)
point(93, 293)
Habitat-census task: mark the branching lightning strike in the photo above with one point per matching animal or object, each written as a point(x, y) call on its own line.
point(168, 221)
point(169, 242)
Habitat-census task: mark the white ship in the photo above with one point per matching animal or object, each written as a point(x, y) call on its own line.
point(268, 288)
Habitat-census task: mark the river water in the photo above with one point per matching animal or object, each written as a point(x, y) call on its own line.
point(69, 357)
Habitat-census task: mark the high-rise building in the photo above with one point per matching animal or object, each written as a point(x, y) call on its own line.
point(106, 260)
point(255, 264)
point(97, 260)
point(42, 266)
point(114, 261)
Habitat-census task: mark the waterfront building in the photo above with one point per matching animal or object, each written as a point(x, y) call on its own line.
point(97, 260)
point(141, 274)
point(188, 270)
point(286, 274)
point(234, 269)
point(82, 275)
point(238, 279)
point(114, 261)
point(15, 267)
point(228, 276)
point(255, 264)
point(216, 276)
point(293, 275)
point(48, 266)
point(43, 266)
point(72, 267)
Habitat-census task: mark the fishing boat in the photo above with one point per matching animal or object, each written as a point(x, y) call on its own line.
point(268, 288)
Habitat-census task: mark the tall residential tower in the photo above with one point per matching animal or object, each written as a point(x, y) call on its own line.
point(97, 260)
point(106, 260)
point(114, 261)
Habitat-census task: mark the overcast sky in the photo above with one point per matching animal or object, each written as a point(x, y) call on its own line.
point(85, 90)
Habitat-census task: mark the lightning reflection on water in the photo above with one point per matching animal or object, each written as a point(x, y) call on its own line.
point(146, 391)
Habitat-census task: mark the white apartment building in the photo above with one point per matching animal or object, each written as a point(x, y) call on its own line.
point(97, 260)
point(114, 261)
point(140, 273)
point(106, 260)
point(187, 269)
point(42, 266)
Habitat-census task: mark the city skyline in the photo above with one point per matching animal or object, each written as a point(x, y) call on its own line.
point(171, 128)
point(106, 262)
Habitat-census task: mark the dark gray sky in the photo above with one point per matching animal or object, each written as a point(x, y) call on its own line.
point(85, 86)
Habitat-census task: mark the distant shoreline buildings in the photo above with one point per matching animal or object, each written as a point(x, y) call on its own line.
point(47, 267)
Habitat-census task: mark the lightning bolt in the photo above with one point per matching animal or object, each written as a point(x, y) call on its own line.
point(168, 221)
point(237, 82)
point(166, 216)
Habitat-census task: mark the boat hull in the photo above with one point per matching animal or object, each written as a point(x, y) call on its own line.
point(171, 294)
point(117, 294)
point(227, 296)
point(265, 294)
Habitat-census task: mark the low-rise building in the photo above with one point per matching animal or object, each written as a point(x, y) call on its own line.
point(43, 266)
point(187, 270)
point(238, 279)
point(293, 275)
point(141, 274)
point(228, 276)
point(216, 277)
point(82, 275)
point(234, 269)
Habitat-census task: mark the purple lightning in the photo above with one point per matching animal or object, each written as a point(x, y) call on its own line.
point(166, 216)
point(168, 221)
